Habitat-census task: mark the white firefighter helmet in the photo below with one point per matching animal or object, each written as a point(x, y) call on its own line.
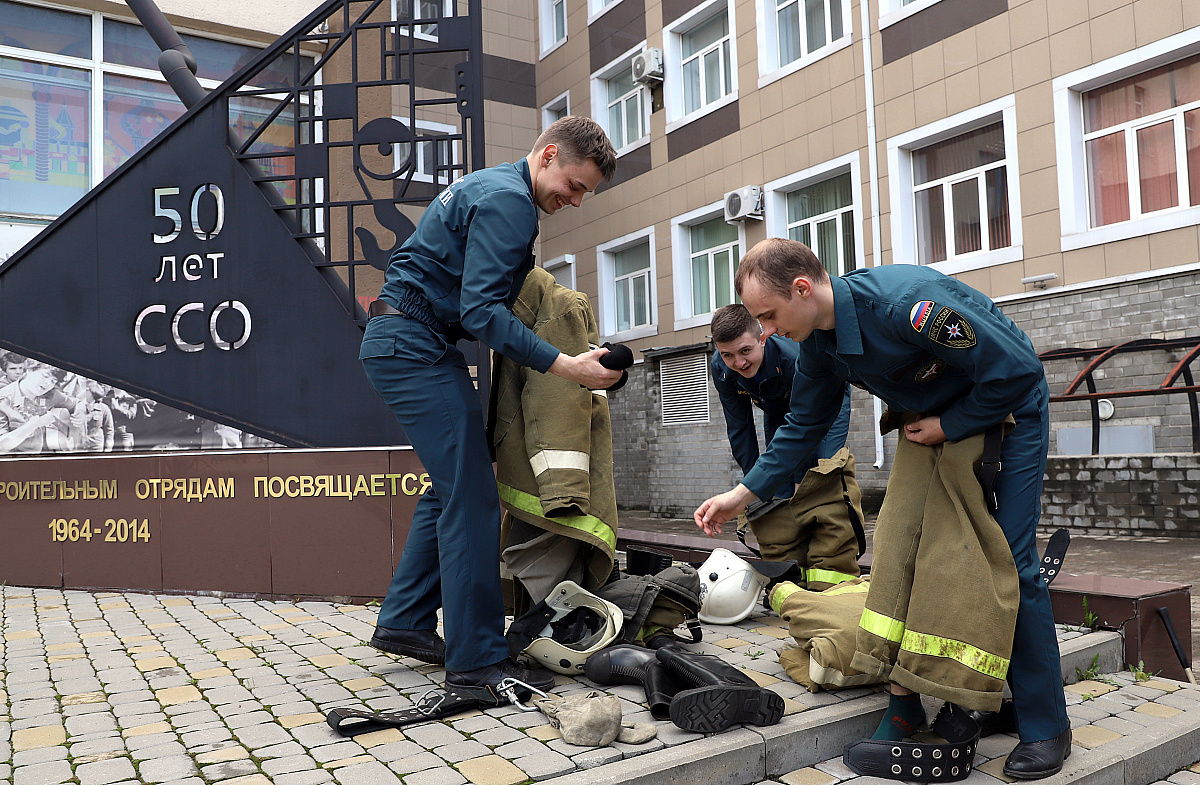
point(582, 624)
point(729, 588)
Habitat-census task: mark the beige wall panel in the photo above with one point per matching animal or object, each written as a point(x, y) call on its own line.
point(995, 78)
point(1113, 33)
point(930, 103)
point(749, 108)
point(752, 168)
point(928, 65)
point(849, 135)
point(1086, 264)
point(821, 147)
point(1035, 106)
point(894, 79)
point(1035, 147)
point(1031, 64)
point(1006, 278)
point(1064, 14)
point(816, 112)
point(1070, 49)
point(1179, 246)
point(960, 52)
point(771, 97)
point(845, 66)
point(1039, 195)
point(1155, 20)
point(1027, 23)
point(1191, 15)
point(1127, 256)
point(978, 279)
point(962, 91)
point(899, 115)
point(1042, 230)
point(992, 37)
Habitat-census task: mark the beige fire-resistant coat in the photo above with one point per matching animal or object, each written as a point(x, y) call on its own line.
point(553, 441)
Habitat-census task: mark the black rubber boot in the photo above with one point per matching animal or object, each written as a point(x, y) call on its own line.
point(716, 695)
point(661, 690)
point(630, 664)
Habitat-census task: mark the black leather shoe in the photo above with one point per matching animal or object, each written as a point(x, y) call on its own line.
point(992, 722)
point(423, 645)
point(1032, 760)
point(478, 681)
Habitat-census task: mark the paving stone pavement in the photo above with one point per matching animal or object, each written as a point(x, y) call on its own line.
point(107, 688)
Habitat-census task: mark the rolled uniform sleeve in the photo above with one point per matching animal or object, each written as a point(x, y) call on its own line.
point(494, 241)
point(817, 399)
point(976, 338)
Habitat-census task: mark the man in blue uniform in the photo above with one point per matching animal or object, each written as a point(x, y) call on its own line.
point(456, 278)
point(925, 343)
point(750, 371)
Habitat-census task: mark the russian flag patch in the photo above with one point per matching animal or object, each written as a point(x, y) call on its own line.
point(920, 314)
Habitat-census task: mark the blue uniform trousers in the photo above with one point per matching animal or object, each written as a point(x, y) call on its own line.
point(451, 558)
point(1035, 674)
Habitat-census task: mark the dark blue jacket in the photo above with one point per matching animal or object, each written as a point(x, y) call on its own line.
point(920, 340)
point(771, 391)
point(469, 257)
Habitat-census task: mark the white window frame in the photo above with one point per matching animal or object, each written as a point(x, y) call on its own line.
point(681, 261)
point(598, 8)
point(546, 26)
point(893, 11)
point(608, 291)
point(1071, 158)
point(900, 185)
point(775, 195)
point(420, 176)
point(447, 10)
point(767, 30)
point(567, 260)
point(673, 62)
point(563, 101)
point(599, 85)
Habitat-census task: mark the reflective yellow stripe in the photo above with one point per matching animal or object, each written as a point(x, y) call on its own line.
point(586, 523)
point(847, 588)
point(828, 576)
point(971, 656)
point(559, 459)
point(781, 593)
point(883, 626)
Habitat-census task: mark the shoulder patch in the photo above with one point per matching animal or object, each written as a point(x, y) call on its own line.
point(920, 314)
point(949, 329)
point(929, 371)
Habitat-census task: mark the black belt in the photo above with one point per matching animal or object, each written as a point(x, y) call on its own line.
point(452, 332)
point(381, 308)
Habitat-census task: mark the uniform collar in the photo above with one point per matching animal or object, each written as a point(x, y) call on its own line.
point(845, 318)
point(770, 361)
point(522, 166)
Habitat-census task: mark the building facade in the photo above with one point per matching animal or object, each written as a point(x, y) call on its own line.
point(1046, 153)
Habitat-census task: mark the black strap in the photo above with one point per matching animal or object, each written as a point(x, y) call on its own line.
point(919, 762)
point(993, 438)
point(529, 626)
point(859, 533)
point(1052, 558)
point(433, 705)
point(741, 534)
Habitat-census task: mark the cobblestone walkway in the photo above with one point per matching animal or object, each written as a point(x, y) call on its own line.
point(99, 688)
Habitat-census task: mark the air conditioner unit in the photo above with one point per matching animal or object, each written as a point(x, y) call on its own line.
point(648, 67)
point(745, 202)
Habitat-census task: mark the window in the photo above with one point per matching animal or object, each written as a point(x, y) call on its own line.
point(436, 155)
point(794, 33)
point(556, 110)
point(715, 254)
point(1127, 139)
point(57, 137)
point(626, 106)
point(699, 56)
point(563, 270)
point(893, 11)
point(598, 7)
point(553, 20)
point(404, 10)
point(955, 191)
point(820, 208)
point(627, 301)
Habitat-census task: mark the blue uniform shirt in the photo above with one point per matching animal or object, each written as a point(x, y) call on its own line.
point(920, 340)
point(469, 257)
point(771, 391)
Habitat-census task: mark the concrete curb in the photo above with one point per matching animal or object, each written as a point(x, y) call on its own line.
point(745, 755)
point(1078, 653)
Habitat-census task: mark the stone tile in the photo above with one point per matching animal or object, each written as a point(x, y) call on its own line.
point(596, 757)
point(175, 695)
point(105, 772)
point(48, 773)
point(288, 765)
point(316, 777)
point(167, 769)
point(1158, 710)
point(446, 776)
point(808, 776)
point(229, 770)
point(417, 762)
point(373, 773)
point(1090, 736)
point(545, 765)
point(222, 755)
point(491, 770)
point(35, 738)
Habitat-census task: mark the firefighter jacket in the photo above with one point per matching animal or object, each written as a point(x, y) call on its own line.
point(823, 625)
point(552, 437)
point(942, 609)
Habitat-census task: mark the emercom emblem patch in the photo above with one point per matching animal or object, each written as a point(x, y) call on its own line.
point(949, 329)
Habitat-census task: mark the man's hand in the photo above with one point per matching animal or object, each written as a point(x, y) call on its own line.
point(927, 431)
point(720, 509)
point(586, 369)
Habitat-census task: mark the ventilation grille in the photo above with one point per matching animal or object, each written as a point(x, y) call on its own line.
point(684, 385)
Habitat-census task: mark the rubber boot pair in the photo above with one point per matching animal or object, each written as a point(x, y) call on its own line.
point(698, 692)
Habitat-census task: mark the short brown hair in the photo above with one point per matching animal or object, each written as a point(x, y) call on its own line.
point(776, 262)
point(731, 322)
point(580, 138)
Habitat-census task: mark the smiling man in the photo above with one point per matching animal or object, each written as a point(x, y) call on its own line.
point(935, 348)
point(749, 372)
point(456, 278)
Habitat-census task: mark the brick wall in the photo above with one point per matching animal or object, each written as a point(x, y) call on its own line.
point(1139, 495)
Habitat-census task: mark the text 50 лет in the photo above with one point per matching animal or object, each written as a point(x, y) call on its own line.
point(113, 529)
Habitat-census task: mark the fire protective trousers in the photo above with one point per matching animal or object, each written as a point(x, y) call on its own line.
point(452, 555)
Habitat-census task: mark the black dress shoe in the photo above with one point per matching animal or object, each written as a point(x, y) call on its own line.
point(483, 682)
point(423, 645)
point(992, 722)
point(1032, 760)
